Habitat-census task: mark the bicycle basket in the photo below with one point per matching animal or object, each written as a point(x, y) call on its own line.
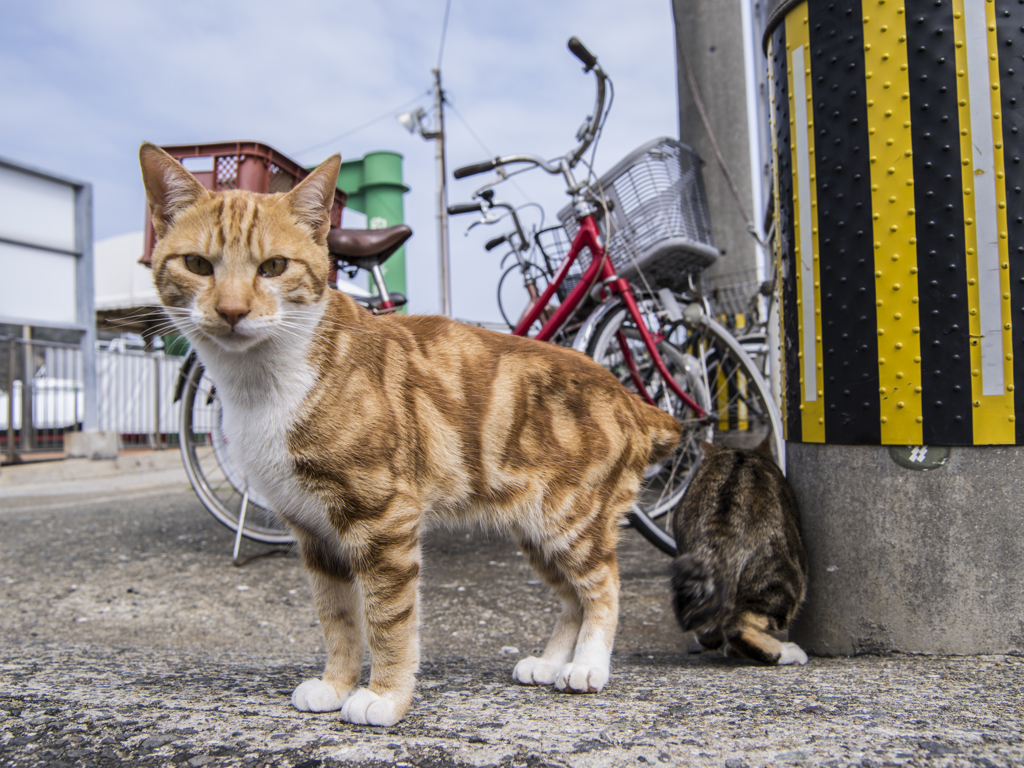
point(554, 247)
point(733, 297)
point(660, 221)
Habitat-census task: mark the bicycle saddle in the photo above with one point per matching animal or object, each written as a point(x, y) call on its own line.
point(374, 302)
point(366, 248)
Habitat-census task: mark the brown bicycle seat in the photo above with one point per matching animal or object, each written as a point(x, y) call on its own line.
point(366, 248)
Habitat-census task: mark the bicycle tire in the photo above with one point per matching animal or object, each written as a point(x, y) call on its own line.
point(217, 481)
point(664, 483)
point(732, 389)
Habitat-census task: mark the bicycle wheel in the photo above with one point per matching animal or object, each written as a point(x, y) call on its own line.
point(664, 483)
point(721, 377)
point(217, 481)
point(755, 344)
point(744, 410)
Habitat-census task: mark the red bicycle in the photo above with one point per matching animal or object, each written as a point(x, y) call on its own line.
point(659, 337)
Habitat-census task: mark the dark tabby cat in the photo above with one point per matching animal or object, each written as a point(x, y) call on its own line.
point(362, 430)
point(741, 572)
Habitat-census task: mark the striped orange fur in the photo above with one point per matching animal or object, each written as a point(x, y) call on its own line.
point(362, 431)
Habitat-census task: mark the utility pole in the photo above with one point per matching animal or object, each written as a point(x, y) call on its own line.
point(413, 122)
point(442, 199)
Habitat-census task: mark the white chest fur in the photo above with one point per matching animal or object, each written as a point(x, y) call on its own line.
point(262, 392)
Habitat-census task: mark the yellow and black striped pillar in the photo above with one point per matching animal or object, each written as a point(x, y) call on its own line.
point(897, 161)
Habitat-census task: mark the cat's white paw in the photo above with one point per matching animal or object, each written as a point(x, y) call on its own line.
point(581, 678)
point(792, 654)
point(534, 671)
point(364, 707)
point(315, 695)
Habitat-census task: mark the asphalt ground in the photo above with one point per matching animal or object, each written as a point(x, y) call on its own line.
point(127, 637)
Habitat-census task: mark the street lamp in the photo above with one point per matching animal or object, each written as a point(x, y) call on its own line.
point(413, 122)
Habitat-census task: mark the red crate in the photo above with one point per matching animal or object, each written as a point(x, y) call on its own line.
point(245, 165)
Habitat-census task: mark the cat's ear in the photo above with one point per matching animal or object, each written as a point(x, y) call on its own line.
point(170, 189)
point(707, 449)
point(312, 199)
point(765, 448)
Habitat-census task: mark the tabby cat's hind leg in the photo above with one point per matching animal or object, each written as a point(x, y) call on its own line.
point(584, 573)
point(559, 649)
point(557, 653)
point(340, 614)
point(590, 667)
point(748, 637)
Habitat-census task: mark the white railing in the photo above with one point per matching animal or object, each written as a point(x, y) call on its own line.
point(135, 394)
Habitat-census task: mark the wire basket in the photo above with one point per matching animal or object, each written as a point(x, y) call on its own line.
point(659, 218)
point(734, 297)
point(554, 247)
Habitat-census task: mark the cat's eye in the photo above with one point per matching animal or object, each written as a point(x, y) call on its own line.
point(197, 265)
point(273, 267)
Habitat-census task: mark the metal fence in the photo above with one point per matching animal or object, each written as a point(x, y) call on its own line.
point(42, 395)
point(37, 421)
point(135, 394)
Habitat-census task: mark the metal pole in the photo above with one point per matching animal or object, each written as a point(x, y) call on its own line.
point(27, 392)
point(157, 442)
point(12, 361)
point(86, 313)
point(442, 199)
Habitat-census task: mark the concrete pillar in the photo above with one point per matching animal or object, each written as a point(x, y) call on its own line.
point(899, 219)
point(910, 560)
point(712, 32)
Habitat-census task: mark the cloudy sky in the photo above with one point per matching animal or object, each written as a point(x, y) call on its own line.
point(83, 83)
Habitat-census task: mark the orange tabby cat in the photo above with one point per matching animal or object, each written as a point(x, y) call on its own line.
point(362, 430)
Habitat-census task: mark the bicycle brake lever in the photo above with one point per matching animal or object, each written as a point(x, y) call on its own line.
point(584, 130)
point(487, 218)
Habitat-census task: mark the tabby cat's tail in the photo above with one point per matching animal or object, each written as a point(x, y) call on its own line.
point(696, 594)
point(665, 434)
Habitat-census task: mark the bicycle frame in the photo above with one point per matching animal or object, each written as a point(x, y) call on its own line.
point(600, 268)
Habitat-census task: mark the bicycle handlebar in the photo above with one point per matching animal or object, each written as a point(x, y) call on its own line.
point(458, 208)
point(473, 170)
point(492, 244)
point(586, 135)
point(580, 51)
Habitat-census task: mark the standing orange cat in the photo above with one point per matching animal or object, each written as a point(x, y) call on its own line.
point(361, 431)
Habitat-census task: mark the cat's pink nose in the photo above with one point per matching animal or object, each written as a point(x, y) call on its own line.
point(232, 314)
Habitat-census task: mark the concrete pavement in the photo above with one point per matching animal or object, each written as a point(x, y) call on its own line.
point(128, 638)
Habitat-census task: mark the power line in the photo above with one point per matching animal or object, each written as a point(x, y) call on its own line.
point(367, 124)
point(467, 127)
point(483, 146)
point(444, 31)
